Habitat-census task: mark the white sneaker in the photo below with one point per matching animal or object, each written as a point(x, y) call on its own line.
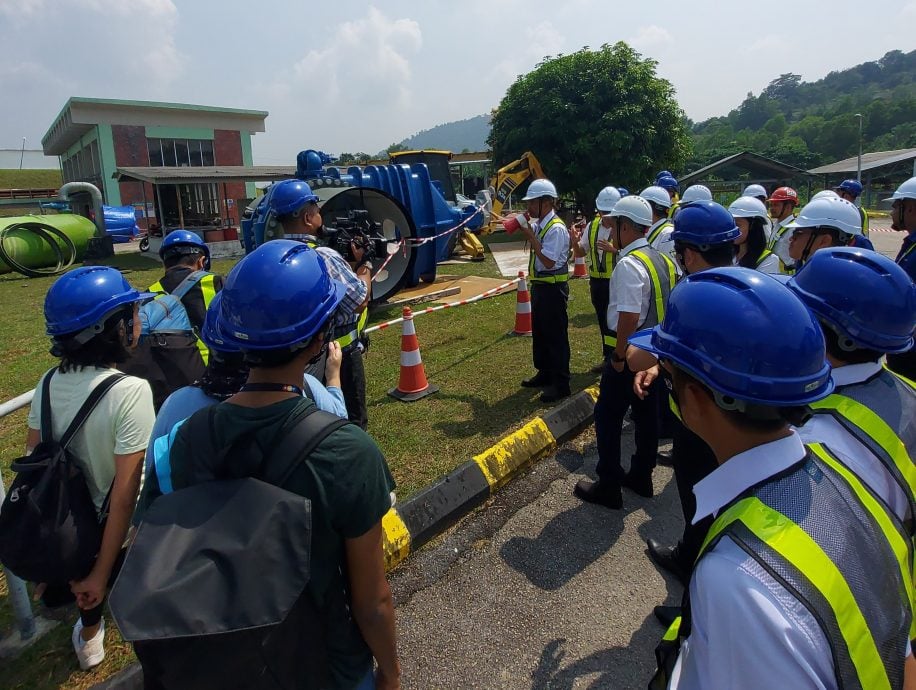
point(89, 652)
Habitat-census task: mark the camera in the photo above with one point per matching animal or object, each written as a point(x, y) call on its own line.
point(356, 228)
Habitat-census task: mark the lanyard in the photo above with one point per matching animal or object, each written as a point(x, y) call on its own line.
point(270, 387)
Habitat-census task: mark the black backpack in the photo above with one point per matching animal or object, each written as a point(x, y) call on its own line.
point(49, 528)
point(213, 589)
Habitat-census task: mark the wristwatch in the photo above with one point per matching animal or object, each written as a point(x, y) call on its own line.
point(617, 358)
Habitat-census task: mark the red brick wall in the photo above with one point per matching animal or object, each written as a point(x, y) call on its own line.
point(130, 146)
point(227, 147)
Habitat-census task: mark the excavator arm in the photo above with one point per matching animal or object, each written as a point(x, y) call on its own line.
point(506, 180)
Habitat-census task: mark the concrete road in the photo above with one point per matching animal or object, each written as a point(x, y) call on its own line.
point(886, 241)
point(539, 590)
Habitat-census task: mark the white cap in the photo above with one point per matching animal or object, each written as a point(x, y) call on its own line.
point(830, 212)
point(606, 199)
point(540, 188)
point(825, 194)
point(748, 207)
point(657, 195)
point(905, 191)
point(696, 192)
point(635, 208)
point(755, 190)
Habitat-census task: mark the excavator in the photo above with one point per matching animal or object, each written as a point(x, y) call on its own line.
point(507, 179)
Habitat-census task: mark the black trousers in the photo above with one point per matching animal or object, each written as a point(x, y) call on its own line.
point(615, 397)
point(692, 460)
point(56, 595)
point(550, 332)
point(353, 386)
point(600, 289)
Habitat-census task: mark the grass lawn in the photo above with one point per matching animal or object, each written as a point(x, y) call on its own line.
point(29, 179)
point(466, 351)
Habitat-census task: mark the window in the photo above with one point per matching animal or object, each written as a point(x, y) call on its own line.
point(180, 152)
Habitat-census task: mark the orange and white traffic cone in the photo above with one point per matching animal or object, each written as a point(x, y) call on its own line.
point(522, 307)
point(412, 383)
point(579, 270)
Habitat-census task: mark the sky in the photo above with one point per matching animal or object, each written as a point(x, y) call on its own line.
point(357, 76)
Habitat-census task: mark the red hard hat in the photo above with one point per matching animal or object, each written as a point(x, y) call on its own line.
point(784, 194)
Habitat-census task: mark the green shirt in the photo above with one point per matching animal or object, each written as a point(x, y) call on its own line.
point(349, 484)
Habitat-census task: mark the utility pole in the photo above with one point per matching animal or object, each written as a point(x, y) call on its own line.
point(859, 166)
point(22, 153)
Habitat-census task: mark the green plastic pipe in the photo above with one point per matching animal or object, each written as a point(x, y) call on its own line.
point(34, 252)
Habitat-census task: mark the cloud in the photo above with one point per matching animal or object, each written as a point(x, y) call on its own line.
point(533, 44)
point(908, 12)
point(21, 9)
point(649, 37)
point(771, 43)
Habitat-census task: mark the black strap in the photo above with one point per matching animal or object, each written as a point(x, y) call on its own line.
point(94, 398)
point(45, 415)
point(300, 437)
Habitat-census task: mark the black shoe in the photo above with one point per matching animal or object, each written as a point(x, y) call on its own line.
point(664, 458)
point(536, 381)
point(602, 495)
point(666, 614)
point(667, 558)
point(640, 484)
point(552, 394)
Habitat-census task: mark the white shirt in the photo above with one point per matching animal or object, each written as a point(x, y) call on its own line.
point(781, 248)
point(748, 631)
point(630, 286)
point(121, 423)
point(603, 234)
point(664, 243)
point(555, 245)
point(825, 429)
point(770, 265)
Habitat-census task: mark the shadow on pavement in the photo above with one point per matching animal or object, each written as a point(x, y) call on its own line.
point(617, 668)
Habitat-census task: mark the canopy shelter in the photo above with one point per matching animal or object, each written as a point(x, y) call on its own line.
point(728, 176)
point(882, 173)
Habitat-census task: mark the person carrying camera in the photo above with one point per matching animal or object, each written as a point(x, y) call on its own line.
point(296, 209)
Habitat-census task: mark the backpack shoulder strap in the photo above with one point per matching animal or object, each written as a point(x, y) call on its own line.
point(301, 437)
point(189, 282)
point(94, 397)
point(44, 417)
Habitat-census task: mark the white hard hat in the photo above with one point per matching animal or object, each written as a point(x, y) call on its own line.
point(635, 208)
point(905, 191)
point(696, 192)
point(657, 195)
point(755, 190)
point(540, 188)
point(606, 199)
point(748, 207)
point(830, 212)
point(825, 194)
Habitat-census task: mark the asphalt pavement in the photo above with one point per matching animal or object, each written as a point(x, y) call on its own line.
point(538, 590)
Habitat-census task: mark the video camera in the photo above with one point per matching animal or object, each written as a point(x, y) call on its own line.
point(358, 229)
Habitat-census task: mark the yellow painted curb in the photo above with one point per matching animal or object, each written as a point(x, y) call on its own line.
point(395, 539)
point(504, 459)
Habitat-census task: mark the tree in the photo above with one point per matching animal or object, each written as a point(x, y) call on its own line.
point(592, 118)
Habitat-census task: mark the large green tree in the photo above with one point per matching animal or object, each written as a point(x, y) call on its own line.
point(593, 118)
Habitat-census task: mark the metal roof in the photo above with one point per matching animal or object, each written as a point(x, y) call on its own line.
point(870, 161)
point(206, 174)
point(748, 160)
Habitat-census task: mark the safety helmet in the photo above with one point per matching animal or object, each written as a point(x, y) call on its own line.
point(763, 346)
point(704, 224)
point(635, 208)
point(784, 194)
point(540, 188)
point(825, 194)
point(853, 187)
point(210, 332)
point(829, 212)
point(277, 297)
point(696, 192)
point(623, 191)
point(667, 182)
point(905, 191)
point(662, 173)
point(748, 207)
point(83, 298)
point(862, 295)
point(288, 196)
point(606, 199)
point(755, 190)
point(656, 195)
point(183, 241)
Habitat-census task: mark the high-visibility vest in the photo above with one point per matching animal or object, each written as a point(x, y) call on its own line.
point(779, 230)
point(560, 272)
point(858, 587)
point(209, 292)
point(657, 230)
point(881, 414)
point(662, 276)
point(764, 255)
point(598, 264)
point(864, 214)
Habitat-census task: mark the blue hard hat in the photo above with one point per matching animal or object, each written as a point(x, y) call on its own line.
point(744, 335)
point(210, 332)
point(288, 196)
point(662, 173)
point(666, 182)
point(85, 297)
point(862, 295)
point(623, 191)
point(184, 242)
point(277, 297)
point(854, 187)
point(704, 224)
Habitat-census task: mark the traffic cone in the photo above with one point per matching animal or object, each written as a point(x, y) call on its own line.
point(579, 270)
point(412, 383)
point(522, 308)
